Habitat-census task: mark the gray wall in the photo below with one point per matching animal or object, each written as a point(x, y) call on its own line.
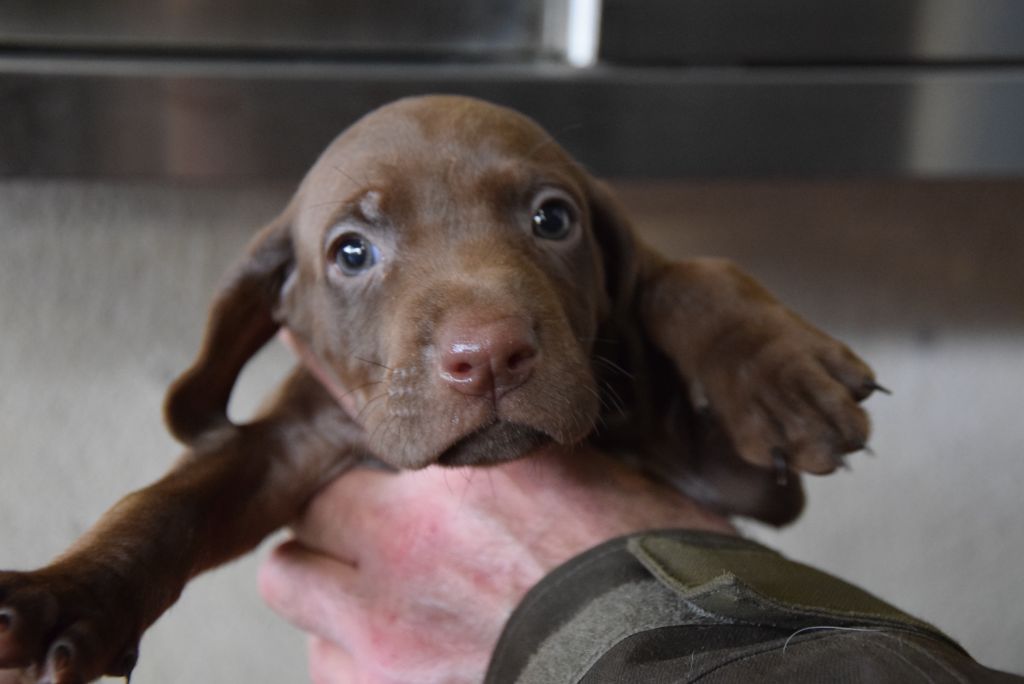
point(103, 289)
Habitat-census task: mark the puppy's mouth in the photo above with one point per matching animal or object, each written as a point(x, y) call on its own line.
point(495, 442)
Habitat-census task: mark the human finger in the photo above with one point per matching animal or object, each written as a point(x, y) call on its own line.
point(318, 594)
point(329, 663)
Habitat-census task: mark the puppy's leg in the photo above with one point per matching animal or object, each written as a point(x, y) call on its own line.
point(785, 393)
point(82, 615)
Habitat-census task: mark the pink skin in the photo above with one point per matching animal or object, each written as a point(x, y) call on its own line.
point(410, 577)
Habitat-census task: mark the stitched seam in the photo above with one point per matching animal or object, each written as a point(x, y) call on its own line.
point(802, 612)
point(660, 571)
point(903, 621)
point(868, 641)
point(746, 656)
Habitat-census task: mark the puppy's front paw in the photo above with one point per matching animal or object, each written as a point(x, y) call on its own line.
point(788, 396)
point(61, 629)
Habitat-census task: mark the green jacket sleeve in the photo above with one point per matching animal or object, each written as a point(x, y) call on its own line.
point(678, 606)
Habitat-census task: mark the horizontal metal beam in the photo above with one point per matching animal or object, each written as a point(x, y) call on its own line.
point(383, 28)
point(667, 32)
point(223, 118)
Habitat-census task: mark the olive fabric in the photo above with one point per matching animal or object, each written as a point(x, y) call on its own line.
point(681, 606)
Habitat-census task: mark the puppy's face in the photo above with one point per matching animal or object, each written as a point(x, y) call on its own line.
point(446, 272)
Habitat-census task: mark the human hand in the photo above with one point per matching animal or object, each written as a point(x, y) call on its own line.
point(410, 577)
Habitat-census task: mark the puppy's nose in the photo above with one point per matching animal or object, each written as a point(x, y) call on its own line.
point(481, 359)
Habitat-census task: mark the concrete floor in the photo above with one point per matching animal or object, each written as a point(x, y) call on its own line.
point(103, 290)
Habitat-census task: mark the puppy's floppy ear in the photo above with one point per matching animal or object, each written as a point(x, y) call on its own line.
point(626, 260)
point(240, 322)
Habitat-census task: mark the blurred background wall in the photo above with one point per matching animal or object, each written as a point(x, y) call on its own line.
point(865, 160)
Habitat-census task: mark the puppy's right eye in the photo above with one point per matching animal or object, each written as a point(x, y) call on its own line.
point(353, 253)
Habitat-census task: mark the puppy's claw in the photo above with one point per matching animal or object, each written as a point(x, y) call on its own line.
point(59, 668)
point(780, 462)
point(18, 637)
point(872, 386)
point(841, 462)
point(6, 620)
point(53, 632)
point(61, 655)
point(125, 664)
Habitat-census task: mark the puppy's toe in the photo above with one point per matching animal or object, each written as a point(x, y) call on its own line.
point(756, 437)
point(801, 411)
point(27, 614)
point(81, 654)
point(843, 424)
point(53, 627)
point(817, 457)
point(849, 370)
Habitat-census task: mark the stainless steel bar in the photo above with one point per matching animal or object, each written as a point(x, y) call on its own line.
point(201, 119)
point(439, 28)
point(725, 32)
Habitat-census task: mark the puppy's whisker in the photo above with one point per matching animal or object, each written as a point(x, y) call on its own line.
point(381, 429)
point(611, 401)
point(337, 169)
point(331, 203)
point(352, 391)
point(370, 402)
point(591, 390)
point(610, 406)
point(542, 145)
point(373, 363)
point(608, 363)
point(612, 394)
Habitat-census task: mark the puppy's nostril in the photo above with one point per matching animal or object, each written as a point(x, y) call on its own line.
point(519, 359)
point(462, 368)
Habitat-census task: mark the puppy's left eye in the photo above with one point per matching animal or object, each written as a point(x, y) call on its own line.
point(353, 253)
point(553, 219)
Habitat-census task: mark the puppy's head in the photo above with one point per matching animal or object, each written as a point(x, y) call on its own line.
point(441, 259)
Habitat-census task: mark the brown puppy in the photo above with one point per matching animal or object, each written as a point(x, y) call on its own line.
point(480, 296)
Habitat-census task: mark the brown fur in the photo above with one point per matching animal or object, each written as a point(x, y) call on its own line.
point(690, 370)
